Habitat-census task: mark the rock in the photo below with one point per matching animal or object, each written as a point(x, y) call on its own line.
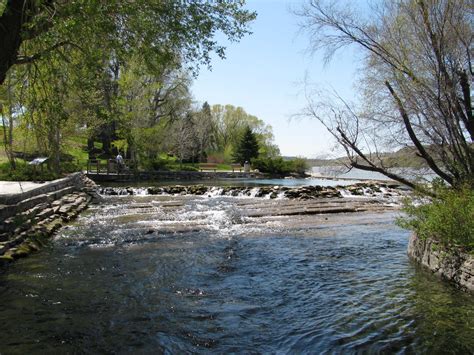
point(64, 209)
point(153, 190)
point(452, 265)
point(6, 258)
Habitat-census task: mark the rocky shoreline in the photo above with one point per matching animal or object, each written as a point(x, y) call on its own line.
point(454, 266)
point(26, 225)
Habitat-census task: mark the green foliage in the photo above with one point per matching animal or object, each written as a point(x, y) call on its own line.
point(121, 145)
point(299, 165)
point(279, 166)
point(25, 172)
point(160, 162)
point(247, 147)
point(3, 4)
point(229, 124)
point(448, 218)
point(127, 84)
point(184, 167)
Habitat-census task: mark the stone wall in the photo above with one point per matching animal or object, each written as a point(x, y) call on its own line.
point(69, 181)
point(454, 266)
point(28, 219)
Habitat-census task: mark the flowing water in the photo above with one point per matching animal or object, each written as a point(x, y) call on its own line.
point(179, 274)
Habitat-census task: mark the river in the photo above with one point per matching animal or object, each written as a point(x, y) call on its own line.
point(178, 274)
point(342, 172)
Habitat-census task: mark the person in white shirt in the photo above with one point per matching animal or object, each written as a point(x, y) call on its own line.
point(119, 161)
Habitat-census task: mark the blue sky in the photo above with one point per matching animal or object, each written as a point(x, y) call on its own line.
point(264, 73)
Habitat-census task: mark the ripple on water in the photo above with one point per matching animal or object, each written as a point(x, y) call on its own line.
point(187, 274)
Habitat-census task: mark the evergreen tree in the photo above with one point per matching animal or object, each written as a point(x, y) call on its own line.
point(247, 147)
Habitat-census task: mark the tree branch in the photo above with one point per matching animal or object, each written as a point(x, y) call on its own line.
point(39, 55)
point(423, 153)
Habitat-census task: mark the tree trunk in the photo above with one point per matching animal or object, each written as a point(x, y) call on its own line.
point(8, 137)
point(90, 144)
point(55, 149)
point(15, 15)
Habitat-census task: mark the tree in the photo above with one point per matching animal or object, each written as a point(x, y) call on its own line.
point(203, 131)
point(247, 147)
point(230, 123)
point(7, 109)
point(417, 83)
point(159, 30)
point(49, 42)
point(149, 102)
point(183, 138)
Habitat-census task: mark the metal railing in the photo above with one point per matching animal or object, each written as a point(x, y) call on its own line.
point(96, 166)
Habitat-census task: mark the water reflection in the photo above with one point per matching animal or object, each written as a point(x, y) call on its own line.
point(444, 316)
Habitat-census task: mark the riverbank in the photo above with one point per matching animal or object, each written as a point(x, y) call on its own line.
point(30, 216)
point(453, 265)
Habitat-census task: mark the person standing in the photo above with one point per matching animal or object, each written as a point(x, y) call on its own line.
point(119, 161)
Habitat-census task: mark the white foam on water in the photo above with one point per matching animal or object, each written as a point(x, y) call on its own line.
point(345, 193)
point(254, 191)
point(366, 194)
point(101, 245)
point(141, 191)
point(215, 191)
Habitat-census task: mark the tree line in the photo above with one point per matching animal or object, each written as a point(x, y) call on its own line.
point(117, 75)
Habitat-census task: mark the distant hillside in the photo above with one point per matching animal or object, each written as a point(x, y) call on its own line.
point(402, 158)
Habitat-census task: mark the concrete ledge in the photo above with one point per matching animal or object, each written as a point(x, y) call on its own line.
point(452, 265)
point(13, 198)
point(33, 216)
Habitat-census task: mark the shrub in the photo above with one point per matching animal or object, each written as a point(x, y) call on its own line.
point(448, 218)
point(161, 162)
point(278, 166)
point(270, 166)
point(299, 165)
point(25, 172)
point(183, 167)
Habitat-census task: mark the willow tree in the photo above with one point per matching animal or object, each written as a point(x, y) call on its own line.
point(150, 100)
point(417, 82)
point(163, 28)
point(230, 123)
point(103, 35)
